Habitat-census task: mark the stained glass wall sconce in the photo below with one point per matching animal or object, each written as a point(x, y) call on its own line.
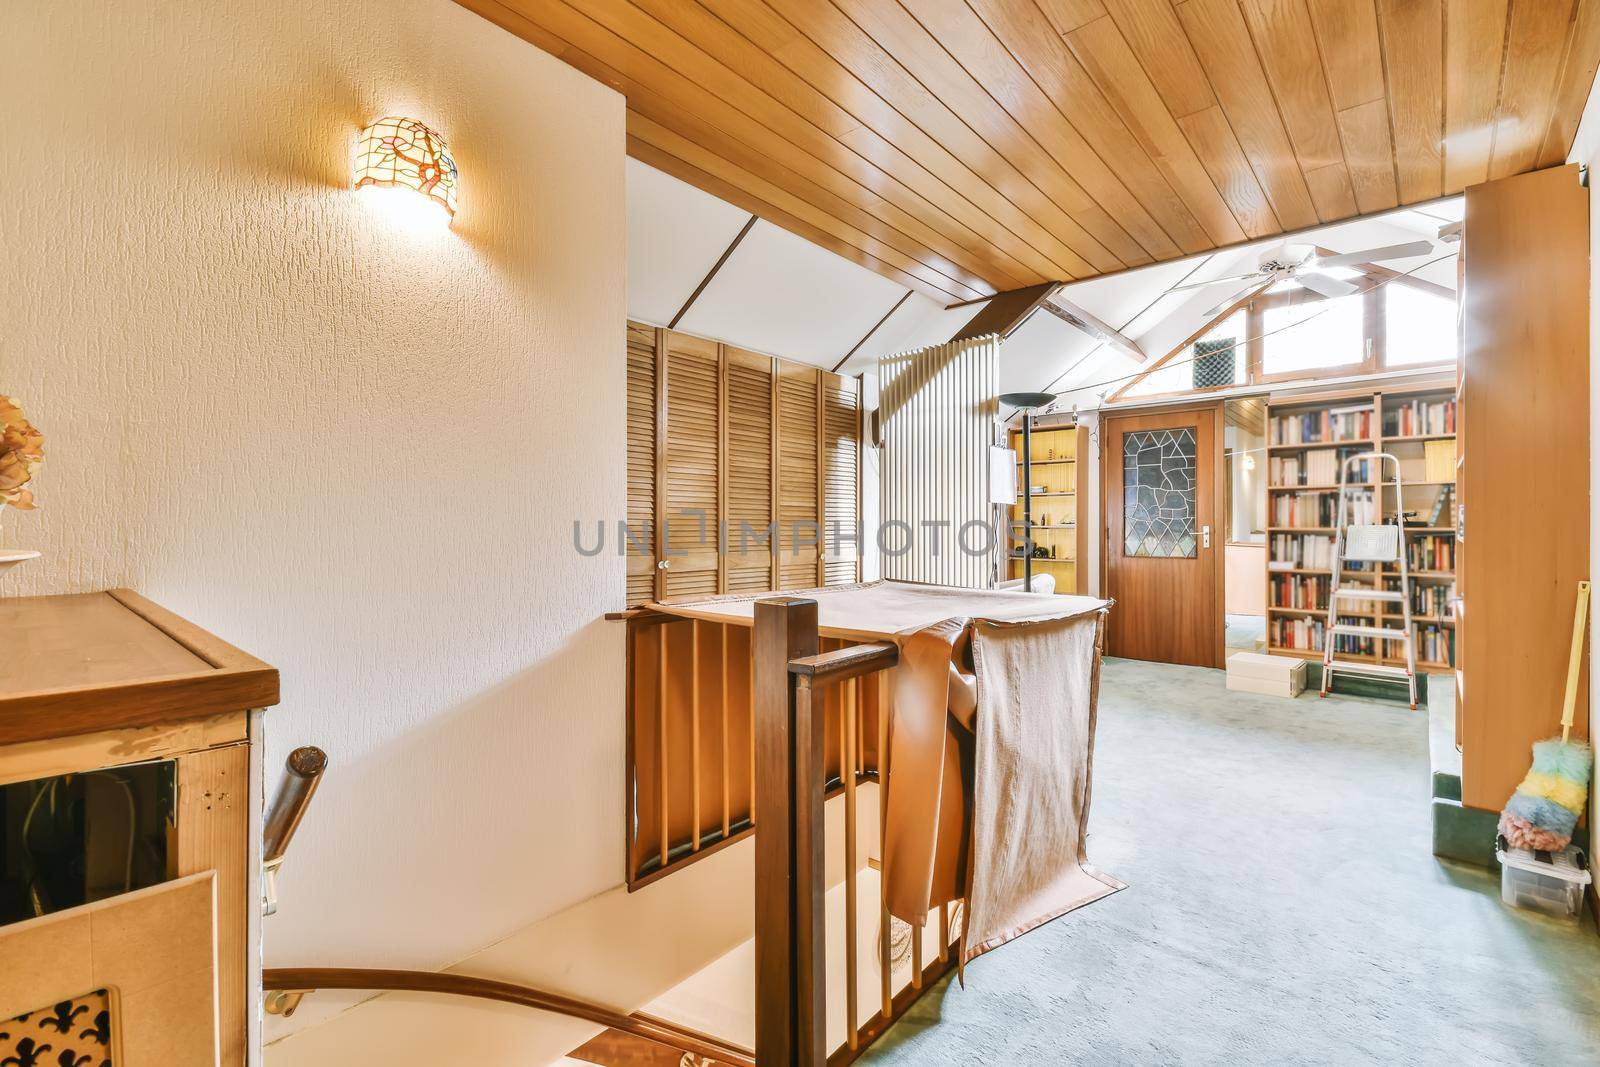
point(405, 152)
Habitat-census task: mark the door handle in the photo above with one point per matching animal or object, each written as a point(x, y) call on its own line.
point(1205, 537)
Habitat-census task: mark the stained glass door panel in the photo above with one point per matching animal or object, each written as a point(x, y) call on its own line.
point(1158, 487)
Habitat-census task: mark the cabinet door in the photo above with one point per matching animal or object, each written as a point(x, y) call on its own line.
point(131, 979)
point(692, 483)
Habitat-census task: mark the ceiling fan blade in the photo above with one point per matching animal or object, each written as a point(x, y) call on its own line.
point(1369, 255)
point(1213, 312)
point(1325, 284)
point(1214, 281)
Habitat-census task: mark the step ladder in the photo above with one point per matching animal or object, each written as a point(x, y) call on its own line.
point(1370, 542)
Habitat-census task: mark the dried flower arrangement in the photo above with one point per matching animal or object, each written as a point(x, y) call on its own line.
point(21, 452)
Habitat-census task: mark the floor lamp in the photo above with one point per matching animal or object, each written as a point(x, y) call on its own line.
point(1027, 403)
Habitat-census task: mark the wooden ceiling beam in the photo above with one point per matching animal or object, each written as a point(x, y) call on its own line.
point(1006, 311)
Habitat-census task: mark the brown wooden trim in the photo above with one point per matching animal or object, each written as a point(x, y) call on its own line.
point(710, 274)
point(158, 701)
point(852, 661)
point(301, 979)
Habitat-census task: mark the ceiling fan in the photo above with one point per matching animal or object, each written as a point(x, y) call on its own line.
point(1300, 263)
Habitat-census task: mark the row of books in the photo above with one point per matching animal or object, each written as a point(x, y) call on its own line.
point(1416, 417)
point(1308, 592)
point(1432, 598)
point(1321, 508)
point(1303, 551)
point(1317, 468)
point(1432, 552)
point(1315, 427)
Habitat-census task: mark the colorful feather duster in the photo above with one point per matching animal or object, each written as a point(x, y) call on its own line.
point(1544, 810)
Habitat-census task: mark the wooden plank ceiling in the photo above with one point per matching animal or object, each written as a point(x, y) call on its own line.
point(963, 147)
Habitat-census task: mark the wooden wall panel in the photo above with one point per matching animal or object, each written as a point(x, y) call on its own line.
point(1524, 457)
point(692, 479)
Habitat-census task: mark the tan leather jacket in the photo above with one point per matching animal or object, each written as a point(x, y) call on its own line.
point(933, 698)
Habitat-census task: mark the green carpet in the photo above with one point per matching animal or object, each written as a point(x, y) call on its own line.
point(1282, 907)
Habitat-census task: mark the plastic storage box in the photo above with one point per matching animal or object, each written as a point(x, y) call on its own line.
point(1548, 882)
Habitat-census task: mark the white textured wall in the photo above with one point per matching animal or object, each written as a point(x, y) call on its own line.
point(353, 448)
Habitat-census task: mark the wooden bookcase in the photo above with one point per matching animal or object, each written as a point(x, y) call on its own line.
point(1057, 512)
point(1409, 423)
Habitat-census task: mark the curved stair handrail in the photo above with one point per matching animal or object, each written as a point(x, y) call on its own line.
point(297, 981)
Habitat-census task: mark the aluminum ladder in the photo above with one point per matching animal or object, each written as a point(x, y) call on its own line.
point(1368, 552)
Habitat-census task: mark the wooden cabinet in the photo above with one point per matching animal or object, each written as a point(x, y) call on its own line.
point(1524, 468)
point(758, 452)
point(111, 689)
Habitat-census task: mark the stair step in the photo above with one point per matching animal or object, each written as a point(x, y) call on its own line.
point(1350, 629)
point(1383, 669)
point(1392, 595)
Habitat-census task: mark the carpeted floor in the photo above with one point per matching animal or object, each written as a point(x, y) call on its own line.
point(1282, 908)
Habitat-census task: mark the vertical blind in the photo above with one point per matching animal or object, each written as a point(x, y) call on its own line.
point(938, 408)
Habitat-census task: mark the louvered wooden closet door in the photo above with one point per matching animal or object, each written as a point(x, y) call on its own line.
point(641, 462)
point(841, 424)
point(692, 476)
point(799, 496)
point(748, 455)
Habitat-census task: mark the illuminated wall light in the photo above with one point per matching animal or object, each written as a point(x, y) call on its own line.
point(403, 152)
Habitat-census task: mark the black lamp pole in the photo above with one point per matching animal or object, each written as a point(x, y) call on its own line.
point(1027, 403)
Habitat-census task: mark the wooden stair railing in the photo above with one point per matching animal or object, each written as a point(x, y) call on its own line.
point(291, 983)
point(792, 708)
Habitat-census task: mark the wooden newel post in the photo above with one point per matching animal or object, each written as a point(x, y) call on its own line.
point(789, 840)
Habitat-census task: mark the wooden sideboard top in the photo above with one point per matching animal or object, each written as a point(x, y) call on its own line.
point(98, 661)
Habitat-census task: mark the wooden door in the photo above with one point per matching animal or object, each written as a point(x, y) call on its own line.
point(798, 498)
point(1163, 544)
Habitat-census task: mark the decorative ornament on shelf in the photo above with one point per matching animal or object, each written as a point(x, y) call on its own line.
point(405, 152)
point(21, 452)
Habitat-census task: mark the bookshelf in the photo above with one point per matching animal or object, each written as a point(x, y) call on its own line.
point(1056, 509)
point(1307, 438)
